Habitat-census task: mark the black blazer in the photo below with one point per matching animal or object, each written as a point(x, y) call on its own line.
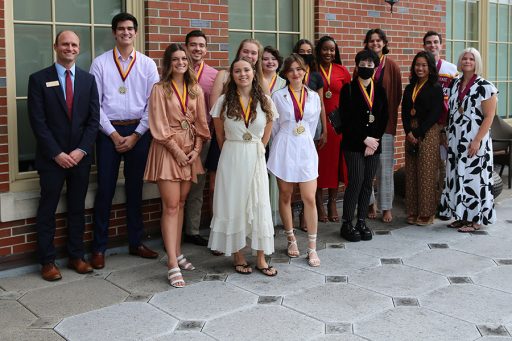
point(354, 112)
point(47, 110)
point(428, 106)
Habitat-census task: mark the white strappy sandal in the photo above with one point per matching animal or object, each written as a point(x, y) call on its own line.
point(312, 261)
point(184, 264)
point(173, 273)
point(290, 250)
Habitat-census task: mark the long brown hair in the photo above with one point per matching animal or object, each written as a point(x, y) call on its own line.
point(231, 106)
point(189, 77)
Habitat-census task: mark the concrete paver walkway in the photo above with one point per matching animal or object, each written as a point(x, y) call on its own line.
point(408, 283)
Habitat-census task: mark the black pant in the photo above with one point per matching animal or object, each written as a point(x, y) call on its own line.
point(361, 171)
point(108, 162)
point(51, 182)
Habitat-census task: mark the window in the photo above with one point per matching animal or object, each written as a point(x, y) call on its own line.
point(487, 26)
point(34, 26)
point(462, 22)
point(273, 22)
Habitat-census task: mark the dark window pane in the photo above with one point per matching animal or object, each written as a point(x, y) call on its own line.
point(267, 39)
point(105, 10)
point(103, 40)
point(33, 51)
point(265, 14)
point(288, 15)
point(286, 43)
point(33, 10)
point(73, 11)
point(26, 139)
point(240, 14)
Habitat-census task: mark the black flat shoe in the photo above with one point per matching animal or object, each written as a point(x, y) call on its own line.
point(195, 239)
point(349, 233)
point(364, 231)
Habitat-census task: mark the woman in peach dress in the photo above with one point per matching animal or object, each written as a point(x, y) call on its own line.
point(177, 121)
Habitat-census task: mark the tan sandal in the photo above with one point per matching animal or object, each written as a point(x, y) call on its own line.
point(411, 219)
point(469, 227)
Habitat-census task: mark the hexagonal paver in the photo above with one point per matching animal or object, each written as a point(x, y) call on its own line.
point(338, 261)
point(149, 278)
point(125, 321)
point(14, 315)
point(33, 280)
point(407, 323)
point(73, 298)
point(449, 262)
point(264, 322)
point(437, 233)
point(473, 303)
point(388, 247)
point(30, 335)
point(189, 336)
point(203, 301)
point(487, 246)
point(397, 280)
point(289, 279)
point(498, 278)
point(338, 302)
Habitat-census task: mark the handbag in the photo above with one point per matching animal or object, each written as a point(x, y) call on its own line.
point(335, 119)
point(335, 115)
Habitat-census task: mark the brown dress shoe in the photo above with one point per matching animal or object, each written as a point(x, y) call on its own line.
point(50, 272)
point(143, 251)
point(98, 260)
point(79, 265)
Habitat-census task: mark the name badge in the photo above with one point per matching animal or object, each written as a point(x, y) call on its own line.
point(52, 84)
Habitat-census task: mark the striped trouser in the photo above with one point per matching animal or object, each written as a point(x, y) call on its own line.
point(361, 171)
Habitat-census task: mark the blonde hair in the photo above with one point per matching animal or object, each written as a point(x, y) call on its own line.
point(478, 60)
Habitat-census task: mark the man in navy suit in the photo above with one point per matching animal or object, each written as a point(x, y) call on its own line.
point(63, 109)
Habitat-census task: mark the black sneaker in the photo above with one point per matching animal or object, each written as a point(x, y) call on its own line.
point(349, 233)
point(364, 231)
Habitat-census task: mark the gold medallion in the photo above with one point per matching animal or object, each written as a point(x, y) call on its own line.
point(299, 129)
point(371, 118)
point(184, 124)
point(122, 89)
point(461, 110)
point(328, 94)
point(413, 112)
point(247, 136)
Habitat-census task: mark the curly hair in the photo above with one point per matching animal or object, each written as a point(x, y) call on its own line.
point(231, 106)
point(382, 36)
point(433, 74)
point(189, 78)
point(274, 52)
point(318, 49)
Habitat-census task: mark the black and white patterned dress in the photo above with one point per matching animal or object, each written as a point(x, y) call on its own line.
point(468, 189)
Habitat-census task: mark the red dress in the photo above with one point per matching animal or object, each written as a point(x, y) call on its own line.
point(329, 157)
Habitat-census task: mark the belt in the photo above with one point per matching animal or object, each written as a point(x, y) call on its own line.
point(125, 122)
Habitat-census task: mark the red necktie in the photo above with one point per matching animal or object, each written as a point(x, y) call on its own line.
point(69, 93)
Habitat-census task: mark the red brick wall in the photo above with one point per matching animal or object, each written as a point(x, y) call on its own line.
point(169, 21)
point(348, 21)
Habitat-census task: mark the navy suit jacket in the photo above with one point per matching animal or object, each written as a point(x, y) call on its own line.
point(47, 110)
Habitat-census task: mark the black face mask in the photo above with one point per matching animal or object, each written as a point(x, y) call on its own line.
point(365, 72)
point(308, 58)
